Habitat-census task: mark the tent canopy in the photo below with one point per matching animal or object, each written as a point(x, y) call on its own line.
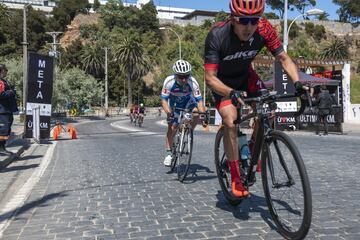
point(309, 79)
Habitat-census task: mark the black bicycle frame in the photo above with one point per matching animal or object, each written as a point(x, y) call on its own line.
point(262, 129)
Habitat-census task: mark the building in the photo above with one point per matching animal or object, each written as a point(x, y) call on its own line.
point(43, 5)
point(166, 14)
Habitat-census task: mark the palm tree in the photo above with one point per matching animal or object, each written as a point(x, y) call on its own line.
point(336, 50)
point(93, 59)
point(130, 57)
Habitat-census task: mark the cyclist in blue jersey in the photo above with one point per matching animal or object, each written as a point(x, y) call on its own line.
point(180, 90)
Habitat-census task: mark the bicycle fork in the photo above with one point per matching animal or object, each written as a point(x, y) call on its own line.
point(275, 183)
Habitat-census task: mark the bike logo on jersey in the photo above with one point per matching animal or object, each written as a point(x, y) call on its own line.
point(242, 55)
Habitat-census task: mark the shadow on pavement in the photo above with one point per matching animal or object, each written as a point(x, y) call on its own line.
point(18, 168)
point(193, 176)
point(254, 203)
point(30, 205)
point(28, 157)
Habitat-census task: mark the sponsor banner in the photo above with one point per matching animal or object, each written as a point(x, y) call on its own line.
point(45, 109)
point(309, 120)
point(285, 121)
point(286, 106)
point(44, 126)
point(40, 87)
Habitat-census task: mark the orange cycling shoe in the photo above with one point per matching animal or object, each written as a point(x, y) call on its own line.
point(237, 186)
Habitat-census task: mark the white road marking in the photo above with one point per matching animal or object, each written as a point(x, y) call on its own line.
point(137, 131)
point(18, 200)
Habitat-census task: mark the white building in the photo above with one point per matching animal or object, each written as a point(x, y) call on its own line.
point(166, 13)
point(43, 5)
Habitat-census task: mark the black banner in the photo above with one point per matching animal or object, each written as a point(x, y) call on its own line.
point(309, 120)
point(285, 117)
point(40, 87)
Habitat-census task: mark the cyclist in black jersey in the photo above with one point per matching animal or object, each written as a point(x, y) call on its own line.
point(230, 48)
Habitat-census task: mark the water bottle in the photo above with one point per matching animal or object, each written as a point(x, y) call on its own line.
point(244, 151)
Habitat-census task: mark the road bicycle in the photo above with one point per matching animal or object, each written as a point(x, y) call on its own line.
point(182, 147)
point(285, 182)
point(140, 119)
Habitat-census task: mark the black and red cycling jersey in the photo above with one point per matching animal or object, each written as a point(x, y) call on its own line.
point(232, 58)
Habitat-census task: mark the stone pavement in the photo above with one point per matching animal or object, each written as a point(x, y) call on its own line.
point(16, 143)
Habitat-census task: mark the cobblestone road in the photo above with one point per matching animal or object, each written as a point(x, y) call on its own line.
point(110, 184)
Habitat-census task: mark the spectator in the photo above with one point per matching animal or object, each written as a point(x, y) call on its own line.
point(8, 106)
point(323, 102)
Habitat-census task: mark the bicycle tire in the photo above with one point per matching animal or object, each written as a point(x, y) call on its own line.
point(268, 165)
point(222, 170)
point(186, 152)
point(174, 152)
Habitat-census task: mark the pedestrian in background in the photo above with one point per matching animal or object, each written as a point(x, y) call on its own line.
point(323, 101)
point(8, 106)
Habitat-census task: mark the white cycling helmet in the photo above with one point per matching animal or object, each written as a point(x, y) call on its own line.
point(182, 67)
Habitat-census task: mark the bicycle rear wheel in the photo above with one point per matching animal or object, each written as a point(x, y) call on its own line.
point(184, 152)
point(286, 186)
point(222, 169)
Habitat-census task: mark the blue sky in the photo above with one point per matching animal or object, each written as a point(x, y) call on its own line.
point(217, 5)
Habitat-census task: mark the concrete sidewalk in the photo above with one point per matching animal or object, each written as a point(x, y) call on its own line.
point(15, 144)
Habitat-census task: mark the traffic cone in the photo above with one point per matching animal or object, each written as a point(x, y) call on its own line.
point(73, 134)
point(55, 133)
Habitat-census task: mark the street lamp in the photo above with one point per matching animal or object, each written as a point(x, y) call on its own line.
point(311, 12)
point(166, 28)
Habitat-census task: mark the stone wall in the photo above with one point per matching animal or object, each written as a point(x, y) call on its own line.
point(339, 29)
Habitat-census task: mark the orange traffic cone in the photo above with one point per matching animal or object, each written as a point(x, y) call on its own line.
point(73, 133)
point(55, 133)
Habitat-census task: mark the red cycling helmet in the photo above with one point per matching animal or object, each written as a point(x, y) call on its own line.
point(247, 7)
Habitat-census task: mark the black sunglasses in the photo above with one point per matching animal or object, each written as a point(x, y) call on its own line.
point(247, 20)
point(182, 76)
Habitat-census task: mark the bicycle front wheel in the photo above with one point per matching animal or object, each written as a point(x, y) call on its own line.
point(184, 153)
point(286, 186)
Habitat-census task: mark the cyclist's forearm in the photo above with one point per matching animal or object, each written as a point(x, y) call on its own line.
point(216, 85)
point(165, 106)
point(201, 106)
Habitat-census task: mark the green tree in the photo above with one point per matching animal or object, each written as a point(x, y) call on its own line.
point(92, 59)
point(323, 17)
point(271, 15)
point(111, 14)
point(71, 58)
point(74, 85)
point(349, 10)
point(299, 5)
point(65, 11)
point(4, 13)
point(221, 16)
point(336, 50)
point(96, 5)
point(129, 55)
point(302, 5)
point(148, 20)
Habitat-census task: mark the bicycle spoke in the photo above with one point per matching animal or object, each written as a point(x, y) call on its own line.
point(284, 187)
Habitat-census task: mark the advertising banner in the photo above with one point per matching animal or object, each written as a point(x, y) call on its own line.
point(40, 87)
point(285, 114)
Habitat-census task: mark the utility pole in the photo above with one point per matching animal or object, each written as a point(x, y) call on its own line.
point(25, 62)
point(54, 43)
point(106, 82)
point(285, 25)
